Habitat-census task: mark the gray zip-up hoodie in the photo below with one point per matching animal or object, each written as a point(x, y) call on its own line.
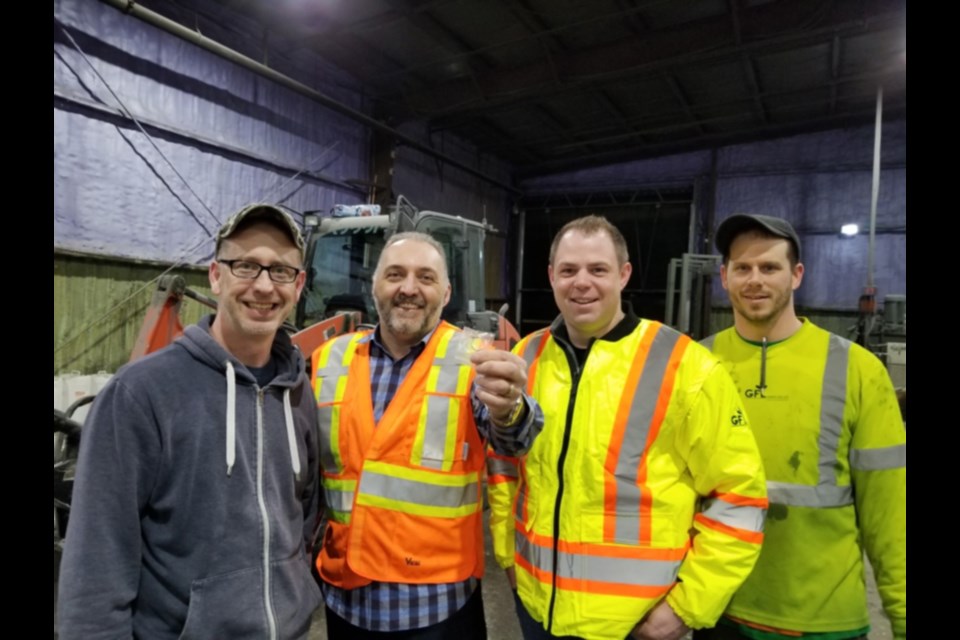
point(195, 500)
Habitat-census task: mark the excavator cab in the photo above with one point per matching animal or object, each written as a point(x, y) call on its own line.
point(342, 255)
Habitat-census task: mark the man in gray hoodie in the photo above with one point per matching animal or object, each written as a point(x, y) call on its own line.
point(196, 491)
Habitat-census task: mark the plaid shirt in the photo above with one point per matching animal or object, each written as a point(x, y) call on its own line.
point(382, 606)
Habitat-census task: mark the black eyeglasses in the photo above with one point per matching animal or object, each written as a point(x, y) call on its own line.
point(247, 270)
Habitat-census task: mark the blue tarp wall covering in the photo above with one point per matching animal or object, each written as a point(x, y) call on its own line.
point(816, 181)
point(233, 136)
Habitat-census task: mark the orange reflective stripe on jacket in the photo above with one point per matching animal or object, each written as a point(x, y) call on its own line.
point(403, 496)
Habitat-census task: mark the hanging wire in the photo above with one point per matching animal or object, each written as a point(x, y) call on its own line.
point(129, 114)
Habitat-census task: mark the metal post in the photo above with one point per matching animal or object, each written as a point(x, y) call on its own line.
point(521, 236)
point(683, 324)
point(671, 291)
point(876, 185)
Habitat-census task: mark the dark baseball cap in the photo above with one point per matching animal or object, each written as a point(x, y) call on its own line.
point(738, 223)
point(265, 212)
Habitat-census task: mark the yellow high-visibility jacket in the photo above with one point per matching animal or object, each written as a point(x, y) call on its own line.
point(828, 425)
point(645, 483)
point(503, 473)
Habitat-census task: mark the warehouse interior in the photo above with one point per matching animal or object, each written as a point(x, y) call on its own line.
point(515, 116)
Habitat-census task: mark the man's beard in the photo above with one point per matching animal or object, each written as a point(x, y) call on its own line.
point(410, 327)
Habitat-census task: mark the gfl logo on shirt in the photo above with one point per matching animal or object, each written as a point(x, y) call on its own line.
point(756, 392)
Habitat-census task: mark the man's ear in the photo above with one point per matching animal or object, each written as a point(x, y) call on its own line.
point(214, 274)
point(797, 275)
point(625, 272)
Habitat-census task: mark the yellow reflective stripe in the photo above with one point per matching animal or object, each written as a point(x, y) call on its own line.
point(352, 348)
point(428, 477)
point(450, 442)
point(417, 492)
point(416, 509)
point(463, 379)
point(416, 456)
point(324, 354)
point(435, 442)
point(339, 493)
point(443, 344)
point(340, 517)
point(335, 439)
point(342, 349)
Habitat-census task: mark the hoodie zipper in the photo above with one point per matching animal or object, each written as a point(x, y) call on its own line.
point(271, 620)
point(561, 460)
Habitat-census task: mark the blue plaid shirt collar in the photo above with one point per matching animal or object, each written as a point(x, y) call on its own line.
point(376, 341)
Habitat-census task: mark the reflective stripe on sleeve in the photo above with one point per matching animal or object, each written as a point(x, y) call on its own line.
point(501, 466)
point(879, 459)
point(738, 516)
point(801, 495)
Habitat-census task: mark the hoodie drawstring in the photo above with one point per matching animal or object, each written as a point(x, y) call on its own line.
point(231, 418)
point(291, 434)
point(232, 424)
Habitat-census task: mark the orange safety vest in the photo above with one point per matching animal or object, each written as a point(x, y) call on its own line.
point(403, 495)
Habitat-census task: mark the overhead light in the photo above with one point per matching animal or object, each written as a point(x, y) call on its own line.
point(849, 230)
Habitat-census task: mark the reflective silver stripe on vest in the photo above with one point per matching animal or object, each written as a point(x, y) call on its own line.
point(338, 500)
point(333, 373)
point(803, 495)
point(708, 342)
point(334, 370)
point(501, 467)
point(435, 430)
point(431, 495)
point(434, 454)
point(327, 460)
point(733, 515)
point(642, 407)
point(833, 398)
point(879, 459)
point(581, 566)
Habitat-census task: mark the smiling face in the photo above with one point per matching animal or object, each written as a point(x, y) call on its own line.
point(249, 312)
point(760, 281)
point(410, 289)
point(587, 279)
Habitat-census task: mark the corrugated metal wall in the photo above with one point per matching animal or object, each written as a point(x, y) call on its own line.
point(107, 300)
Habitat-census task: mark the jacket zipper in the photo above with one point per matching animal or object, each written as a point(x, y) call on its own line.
point(271, 621)
point(561, 460)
